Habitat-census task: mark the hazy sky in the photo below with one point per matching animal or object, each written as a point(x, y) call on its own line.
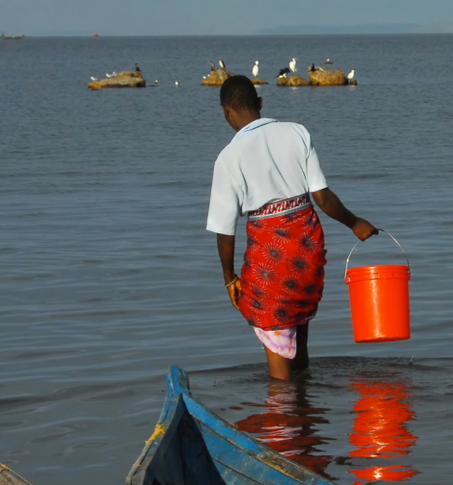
point(205, 17)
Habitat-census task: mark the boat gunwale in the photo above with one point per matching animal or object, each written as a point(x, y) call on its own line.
point(257, 450)
point(10, 477)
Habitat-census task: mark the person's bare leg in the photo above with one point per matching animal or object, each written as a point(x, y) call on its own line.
point(279, 367)
point(301, 360)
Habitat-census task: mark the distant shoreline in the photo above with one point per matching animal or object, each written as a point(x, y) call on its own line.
point(344, 34)
point(355, 29)
point(361, 29)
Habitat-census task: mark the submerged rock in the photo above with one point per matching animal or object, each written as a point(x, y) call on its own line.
point(125, 79)
point(292, 81)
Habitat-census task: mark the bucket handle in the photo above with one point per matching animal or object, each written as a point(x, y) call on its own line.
point(394, 239)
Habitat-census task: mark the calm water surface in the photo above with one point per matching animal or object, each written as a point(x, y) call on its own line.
point(108, 275)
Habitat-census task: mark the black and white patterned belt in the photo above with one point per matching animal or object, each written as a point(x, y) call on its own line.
point(281, 207)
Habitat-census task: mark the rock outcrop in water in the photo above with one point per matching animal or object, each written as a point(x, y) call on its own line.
point(258, 82)
point(217, 77)
point(320, 76)
point(292, 81)
point(125, 79)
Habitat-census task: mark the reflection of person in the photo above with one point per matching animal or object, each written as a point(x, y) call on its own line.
point(289, 425)
point(268, 171)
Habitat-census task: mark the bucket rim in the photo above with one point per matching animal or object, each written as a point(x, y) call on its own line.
point(383, 272)
point(380, 267)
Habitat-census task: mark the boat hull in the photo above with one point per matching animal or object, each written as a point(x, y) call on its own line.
point(191, 445)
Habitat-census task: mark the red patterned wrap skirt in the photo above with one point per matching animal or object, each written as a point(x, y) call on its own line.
point(282, 278)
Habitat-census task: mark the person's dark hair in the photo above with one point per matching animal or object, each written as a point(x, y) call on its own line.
point(239, 93)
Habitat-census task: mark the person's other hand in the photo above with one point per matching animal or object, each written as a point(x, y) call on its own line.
point(363, 229)
point(234, 291)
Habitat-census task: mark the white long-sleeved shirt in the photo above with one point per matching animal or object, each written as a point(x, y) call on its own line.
point(266, 161)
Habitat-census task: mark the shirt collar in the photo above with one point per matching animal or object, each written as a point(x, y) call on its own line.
point(253, 126)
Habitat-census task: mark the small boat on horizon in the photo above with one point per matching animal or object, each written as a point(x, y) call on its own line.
point(193, 446)
point(11, 37)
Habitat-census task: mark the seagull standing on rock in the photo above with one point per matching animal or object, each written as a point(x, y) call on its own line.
point(350, 75)
point(292, 64)
point(256, 69)
point(221, 64)
point(212, 66)
point(94, 78)
point(137, 69)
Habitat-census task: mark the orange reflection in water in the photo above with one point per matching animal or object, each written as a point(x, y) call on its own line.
point(287, 424)
point(380, 431)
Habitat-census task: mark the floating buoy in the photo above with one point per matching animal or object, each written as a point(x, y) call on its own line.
point(95, 35)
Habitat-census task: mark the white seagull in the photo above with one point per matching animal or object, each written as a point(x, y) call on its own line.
point(221, 64)
point(113, 74)
point(94, 78)
point(176, 83)
point(350, 75)
point(256, 68)
point(292, 64)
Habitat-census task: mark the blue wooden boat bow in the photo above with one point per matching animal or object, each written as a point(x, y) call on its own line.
point(193, 446)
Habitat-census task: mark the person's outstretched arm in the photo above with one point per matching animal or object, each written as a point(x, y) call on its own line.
point(330, 204)
point(225, 246)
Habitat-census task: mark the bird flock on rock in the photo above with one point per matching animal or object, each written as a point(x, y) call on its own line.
point(256, 68)
point(113, 74)
point(292, 67)
point(282, 73)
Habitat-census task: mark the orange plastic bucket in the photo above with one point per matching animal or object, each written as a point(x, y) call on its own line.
point(379, 299)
